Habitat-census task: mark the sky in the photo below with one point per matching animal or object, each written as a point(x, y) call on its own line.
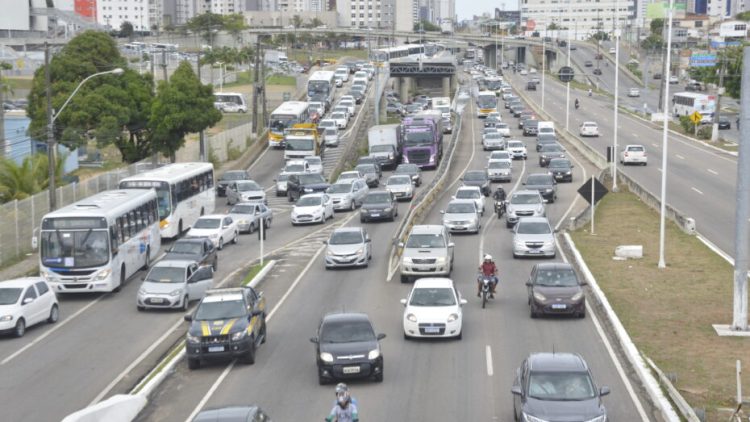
point(467, 9)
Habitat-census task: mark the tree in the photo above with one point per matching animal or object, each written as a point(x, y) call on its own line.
point(657, 26)
point(205, 23)
point(297, 21)
point(183, 105)
point(30, 177)
point(315, 22)
point(652, 42)
point(234, 24)
point(600, 35)
point(732, 58)
point(427, 26)
point(126, 30)
point(113, 109)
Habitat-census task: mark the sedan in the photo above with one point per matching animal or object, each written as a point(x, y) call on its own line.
point(588, 129)
point(401, 186)
point(378, 205)
point(545, 139)
point(250, 216)
point(588, 63)
point(471, 192)
point(548, 152)
point(493, 141)
point(462, 215)
point(172, 284)
point(544, 183)
point(199, 250)
point(394, 108)
point(554, 288)
point(280, 182)
point(634, 92)
point(347, 347)
point(561, 169)
point(433, 309)
point(349, 104)
point(554, 386)
point(533, 236)
point(479, 179)
point(500, 170)
point(348, 247)
point(412, 170)
point(340, 118)
point(245, 191)
point(312, 208)
point(348, 194)
point(503, 129)
point(633, 154)
point(219, 228)
point(500, 155)
point(25, 302)
point(597, 71)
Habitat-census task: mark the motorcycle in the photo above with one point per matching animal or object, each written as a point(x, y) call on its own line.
point(577, 105)
point(500, 206)
point(486, 288)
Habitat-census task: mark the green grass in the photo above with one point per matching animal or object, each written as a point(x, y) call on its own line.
point(281, 80)
point(18, 83)
point(252, 272)
point(243, 78)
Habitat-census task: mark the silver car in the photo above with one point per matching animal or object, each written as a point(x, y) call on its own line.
point(348, 247)
point(172, 284)
point(331, 136)
point(348, 194)
point(280, 182)
point(493, 141)
point(401, 185)
point(533, 236)
point(245, 191)
point(462, 215)
point(523, 203)
point(371, 174)
point(249, 216)
point(500, 170)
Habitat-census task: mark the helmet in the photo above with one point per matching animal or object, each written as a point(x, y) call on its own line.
point(342, 399)
point(488, 257)
point(341, 388)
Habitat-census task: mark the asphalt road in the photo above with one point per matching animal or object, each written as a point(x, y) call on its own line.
point(424, 380)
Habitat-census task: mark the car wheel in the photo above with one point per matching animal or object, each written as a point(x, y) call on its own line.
point(185, 303)
point(20, 328)
point(404, 278)
point(249, 357)
point(221, 243)
point(263, 332)
point(582, 314)
point(362, 220)
point(379, 377)
point(532, 314)
point(215, 264)
point(406, 336)
point(321, 380)
point(460, 335)
point(352, 206)
point(141, 308)
point(194, 363)
point(122, 280)
point(236, 237)
point(54, 314)
point(267, 222)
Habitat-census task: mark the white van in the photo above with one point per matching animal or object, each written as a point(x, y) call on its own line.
point(546, 127)
point(341, 75)
point(230, 102)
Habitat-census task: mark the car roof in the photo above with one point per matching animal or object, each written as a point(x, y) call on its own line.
point(198, 239)
point(525, 192)
point(462, 201)
point(430, 282)
point(227, 414)
point(556, 362)
point(211, 216)
point(346, 316)
point(173, 263)
point(533, 220)
point(20, 282)
point(349, 230)
point(427, 229)
point(550, 266)
point(467, 188)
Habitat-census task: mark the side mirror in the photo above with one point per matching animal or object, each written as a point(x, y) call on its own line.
point(603, 391)
point(400, 244)
point(463, 302)
point(28, 300)
point(382, 336)
point(188, 317)
point(34, 242)
point(442, 212)
point(368, 240)
point(325, 242)
point(256, 312)
point(583, 283)
point(403, 302)
point(314, 340)
point(524, 183)
point(451, 244)
point(516, 390)
point(528, 283)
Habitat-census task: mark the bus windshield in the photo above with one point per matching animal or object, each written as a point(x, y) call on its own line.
point(300, 145)
point(486, 101)
point(79, 248)
point(279, 123)
point(318, 88)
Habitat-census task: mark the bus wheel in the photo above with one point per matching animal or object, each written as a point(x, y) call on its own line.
point(147, 262)
point(179, 228)
point(202, 212)
point(122, 280)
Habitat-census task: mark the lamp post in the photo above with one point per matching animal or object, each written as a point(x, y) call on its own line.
point(52, 116)
point(616, 34)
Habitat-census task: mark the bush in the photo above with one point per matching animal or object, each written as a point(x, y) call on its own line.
point(704, 132)
point(233, 153)
point(248, 141)
point(687, 125)
point(213, 158)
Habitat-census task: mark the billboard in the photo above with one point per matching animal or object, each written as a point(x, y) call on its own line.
point(15, 15)
point(702, 60)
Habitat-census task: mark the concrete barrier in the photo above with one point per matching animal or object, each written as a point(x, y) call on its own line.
point(119, 408)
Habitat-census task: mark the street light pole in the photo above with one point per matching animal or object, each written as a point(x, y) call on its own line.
point(617, 91)
point(544, 55)
point(567, 84)
point(665, 144)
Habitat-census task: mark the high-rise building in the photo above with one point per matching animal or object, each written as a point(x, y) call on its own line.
point(582, 18)
point(367, 13)
point(142, 14)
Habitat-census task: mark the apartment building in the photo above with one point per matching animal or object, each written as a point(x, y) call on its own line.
point(584, 17)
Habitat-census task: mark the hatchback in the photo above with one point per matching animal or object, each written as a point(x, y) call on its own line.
point(533, 236)
point(220, 229)
point(412, 170)
point(25, 302)
point(312, 208)
point(378, 205)
point(348, 247)
point(633, 154)
point(561, 169)
point(588, 129)
point(554, 288)
point(433, 309)
point(401, 186)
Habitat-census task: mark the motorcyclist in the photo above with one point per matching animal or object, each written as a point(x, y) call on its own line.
point(342, 388)
point(499, 197)
point(577, 104)
point(344, 410)
point(590, 92)
point(487, 269)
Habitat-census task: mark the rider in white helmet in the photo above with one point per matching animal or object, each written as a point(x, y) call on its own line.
point(487, 269)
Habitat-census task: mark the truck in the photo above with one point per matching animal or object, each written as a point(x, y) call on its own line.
point(423, 139)
point(385, 144)
point(443, 105)
point(275, 57)
point(302, 140)
point(446, 26)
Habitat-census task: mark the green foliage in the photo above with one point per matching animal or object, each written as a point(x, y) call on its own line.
point(229, 55)
point(126, 30)
point(213, 158)
point(704, 132)
point(205, 23)
point(183, 105)
point(600, 36)
point(657, 26)
point(32, 176)
point(732, 57)
point(634, 69)
point(687, 125)
point(281, 80)
point(234, 24)
point(653, 42)
point(297, 21)
point(426, 25)
point(233, 153)
point(744, 16)
point(315, 22)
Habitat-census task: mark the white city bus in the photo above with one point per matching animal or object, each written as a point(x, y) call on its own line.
point(486, 103)
point(287, 114)
point(185, 191)
point(97, 243)
point(687, 103)
point(321, 87)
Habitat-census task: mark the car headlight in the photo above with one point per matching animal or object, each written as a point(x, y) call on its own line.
point(103, 274)
point(374, 354)
point(390, 156)
point(411, 317)
point(176, 292)
point(5, 318)
point(192, 339)
point(452, 317)
point(330, 253)
point(360, 251)
point(548, 190)
point(213, 236)
point(364, 211)
point(539, 210)
point(407, 260)
point(243, 222)
point(50, 276)
point(602, 418)
point(568, 173)
point(308, 190)
point(549, 243)
point(387, 209)
point(441, 260)
point(540, 297)
point(576, 297)
point(529, 418)
point(142, 291)
point(239, 335)
point(326, 357)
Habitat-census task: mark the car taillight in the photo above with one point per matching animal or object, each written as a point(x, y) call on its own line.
point(626, 153)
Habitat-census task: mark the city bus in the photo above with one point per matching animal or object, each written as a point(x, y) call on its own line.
point(321, 87)
point(494, 83)
point(230, 102)
point(486, 103)
point(412, 51)
point(286, 115)
point(185, 191)
point(97, 243)
point(687, 103)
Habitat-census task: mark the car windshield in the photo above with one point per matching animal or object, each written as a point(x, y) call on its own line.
point(346, 238)
point(294, 168)
point(460, 208)
point(501, 126)
point(381, 148)
point(349, 175)
point(378, 198)
point(533, 227)
point(425, 241)
point(500, 155)
point(313, 161)
point(248, 186)
point(366, 168)
point(635, 149)
point(399, 180)
point(468, 194)
point(308, 179)
point(546, 137)
point(563, 164)
point(340, 188)
point(166, 275)
point(282, 177)
point(9, 295)
point(186, 247)
point(561, 386)
point(338, 115)
point(442, 296)
point(406, 169)
point(475, 176)
point(493, 135)
point(500, 165)
point(552, 148)
point(326, 123)
point(309, 201)
point(207, 223)
point(538, 179)
point(346, 332)
point(515, 144)
point(225, 309)
point(242, 209)
point(234, 175)
point(556, 278)
point(525, 199)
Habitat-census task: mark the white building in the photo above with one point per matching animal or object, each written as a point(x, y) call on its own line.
point(368, 13)
point(140, 13)
point(584, 17)
point(725, 9)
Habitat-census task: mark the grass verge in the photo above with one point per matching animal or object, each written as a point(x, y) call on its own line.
point(18, 83)
point(164, 362)
point(281, 80)
point(252, 272)
point(668, 312)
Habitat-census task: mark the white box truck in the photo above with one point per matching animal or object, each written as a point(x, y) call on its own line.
point(384, 143)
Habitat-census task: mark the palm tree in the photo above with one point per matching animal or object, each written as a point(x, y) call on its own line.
point(32, 176)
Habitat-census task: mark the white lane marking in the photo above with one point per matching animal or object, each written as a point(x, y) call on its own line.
point(488, 355)
point(679, 156)
point(55, 328)
point(612, 355)
point(575, 199)
point(655, 145)
point(713, 172)
point(211, 391)
point(659, 168)
point(696, 190)
point(260, 157)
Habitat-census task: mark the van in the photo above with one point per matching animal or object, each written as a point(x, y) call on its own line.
point(341, 75)
point(427, 252)
point(546, 127)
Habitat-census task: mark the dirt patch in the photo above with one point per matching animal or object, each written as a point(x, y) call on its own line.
point(668, 312)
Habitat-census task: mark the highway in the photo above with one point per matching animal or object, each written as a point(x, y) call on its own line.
point(449, 380)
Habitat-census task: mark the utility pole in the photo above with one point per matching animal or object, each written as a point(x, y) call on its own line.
point(50, 132)
point(2, 114)
point(202, 136)
point(665, 69)
point(256, 85)
point(164, 64)
point(715, 128)
point(264, 116)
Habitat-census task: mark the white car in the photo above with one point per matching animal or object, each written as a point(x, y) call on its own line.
point(331, 136)
point(342, 109)
point(588, 129)
point(471, 192)
point(492, 141)
point(500, 155)
point(503, 129)
point(349, 104)
point(315, 164)
point(494, 115)
point(340, 118)
point(517, 149)
point(401, 186)
point(312, 208)
point(524, 72)
point(351, 174)
point(612, 50)
point(633, 154)
point(218, 228)
point(347, 97)
point(500, 170)
point(296, 166)
point(532, 71)
point(433, 309)
point(25, 302)
point(634, 92)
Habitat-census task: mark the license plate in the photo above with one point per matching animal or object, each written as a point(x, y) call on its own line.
point(558, 306)
point(432, 330)
point(157, 300)
point(535, 251)
point(351, 369)
point(213, 349)
point(375, 214)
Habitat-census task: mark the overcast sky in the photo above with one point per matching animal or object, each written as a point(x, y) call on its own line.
point(467, 9)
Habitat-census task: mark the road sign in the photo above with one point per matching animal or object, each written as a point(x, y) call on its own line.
point(703, 60)
point(566, 74)
point(599, 190)
point(696, 117)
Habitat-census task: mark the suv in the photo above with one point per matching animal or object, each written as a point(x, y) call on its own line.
point(428, 251)
point(228, 323)
point(523, 203)
point(199, 249)
point(300, 184)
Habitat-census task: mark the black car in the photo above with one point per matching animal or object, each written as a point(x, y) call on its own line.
point(550, 151)
point(530, 127)
point(588, 63)
point(597, 71)
point(358, 95)
point(561, 169)
point(478, 178)
point(531, 86)
point(554, 386)
point(544, 183)
point(229, 177)
point(347, 347)
point(227, 324)
point(657, 75)
point(412, 170)
point(378, 205)
point(198, 249)
point(491, 121)
point(232, 414)
point(516, 110)
point(553, 288)
point(525, 115)
point(545, 139)
point(371, 159)
point(724, 123)
point(303, 183)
